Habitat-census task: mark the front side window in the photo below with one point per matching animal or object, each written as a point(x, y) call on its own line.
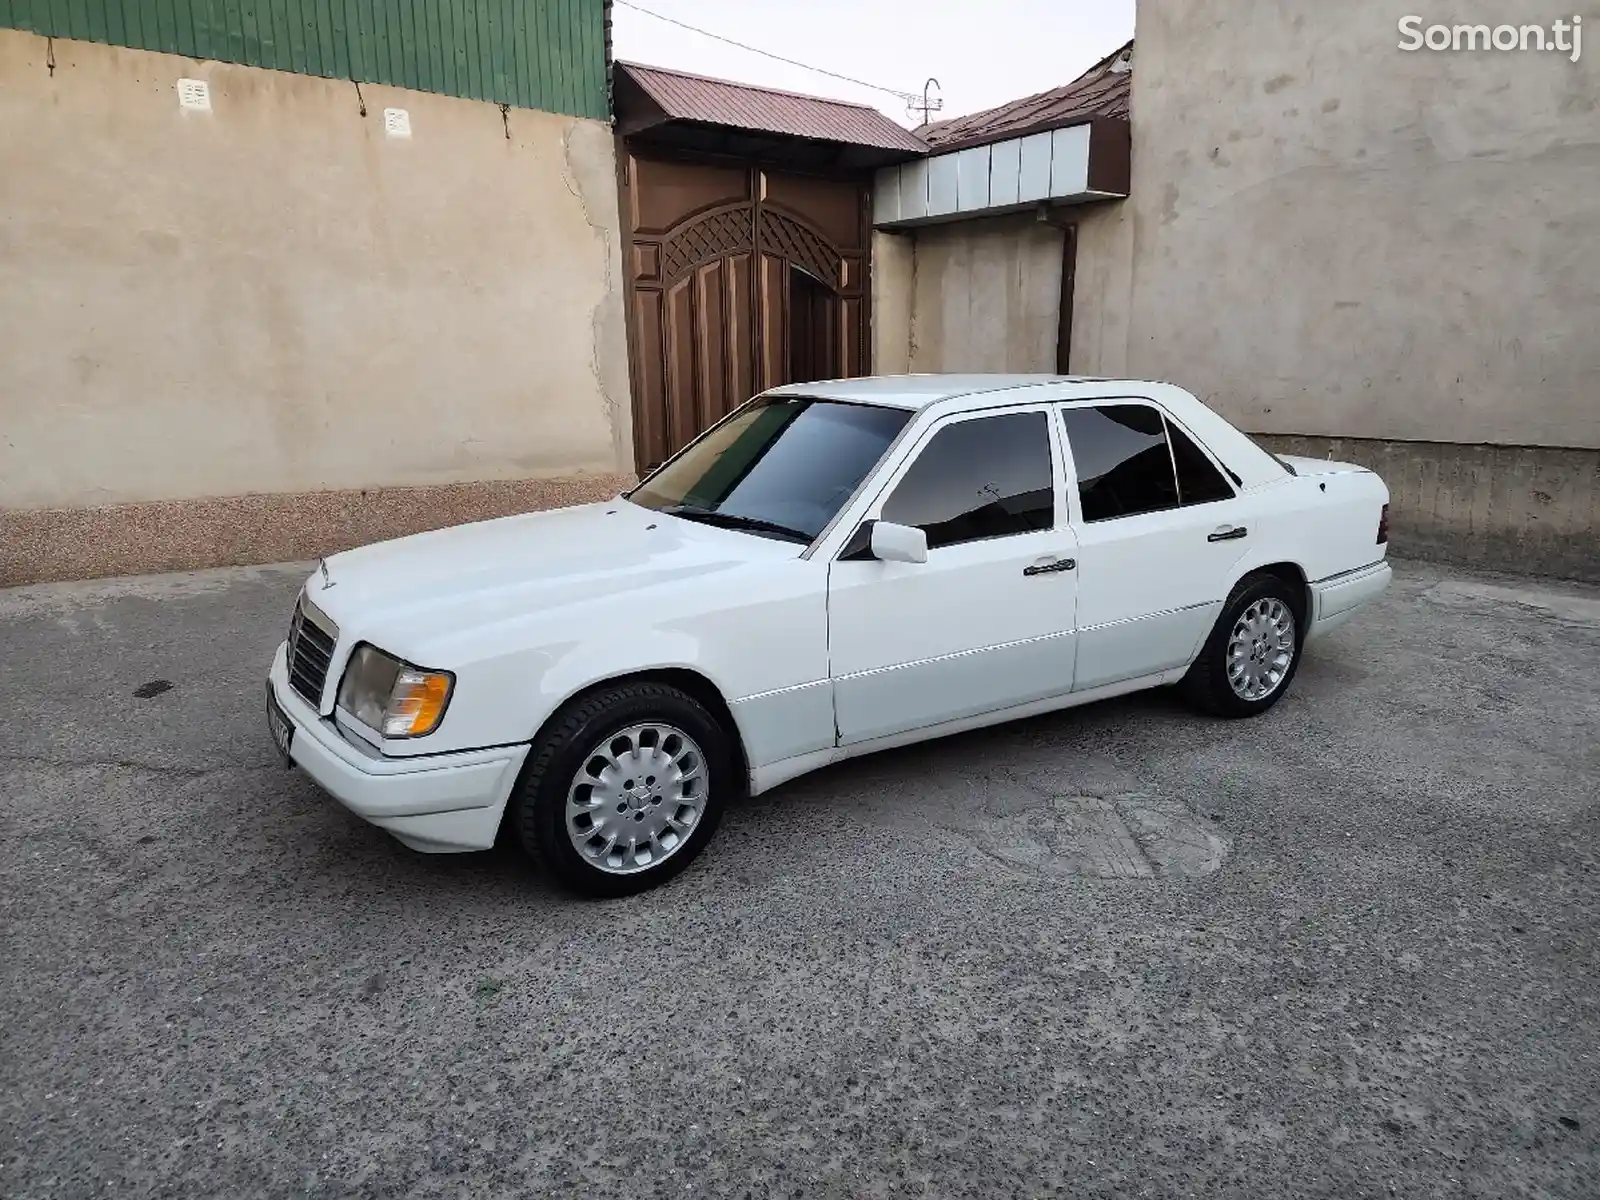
point(983, 478)
point(1124, 466)
point(781, 467)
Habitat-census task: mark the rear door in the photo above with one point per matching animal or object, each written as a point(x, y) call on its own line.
point(986, 623)
point(1158, 535)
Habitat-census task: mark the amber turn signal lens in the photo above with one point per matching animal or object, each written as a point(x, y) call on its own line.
point(417, 703)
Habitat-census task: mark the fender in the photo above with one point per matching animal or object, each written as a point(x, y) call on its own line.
point(770, 725)
point(587, 664)
point(506, 699)
point(1252, 563)
point(1271, 550)
point(1272, 542)
point(763, 632)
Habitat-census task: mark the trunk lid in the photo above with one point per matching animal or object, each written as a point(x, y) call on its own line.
point(1319, 466)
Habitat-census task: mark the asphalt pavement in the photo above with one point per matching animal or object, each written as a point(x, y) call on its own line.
point(1349, 949)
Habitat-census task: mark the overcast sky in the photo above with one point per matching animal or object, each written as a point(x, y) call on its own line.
point(983, 52)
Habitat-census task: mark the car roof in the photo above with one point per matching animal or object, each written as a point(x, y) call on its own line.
point(917, 392)
point(1248, 462)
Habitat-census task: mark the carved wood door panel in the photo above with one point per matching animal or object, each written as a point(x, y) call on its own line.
point(739, 280)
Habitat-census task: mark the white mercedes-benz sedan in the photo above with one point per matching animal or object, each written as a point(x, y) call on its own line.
point(831, 569)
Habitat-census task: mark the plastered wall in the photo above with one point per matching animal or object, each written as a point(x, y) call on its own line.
point(275, 297)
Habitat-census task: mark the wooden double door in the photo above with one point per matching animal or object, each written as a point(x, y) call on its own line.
point(741, 279)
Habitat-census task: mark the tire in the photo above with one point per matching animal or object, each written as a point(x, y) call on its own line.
point(550, 804)
point(1207, 685)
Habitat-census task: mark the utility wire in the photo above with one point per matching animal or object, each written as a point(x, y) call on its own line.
point(908, 97)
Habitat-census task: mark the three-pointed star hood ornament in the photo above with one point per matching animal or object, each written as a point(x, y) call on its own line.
point(322, 566)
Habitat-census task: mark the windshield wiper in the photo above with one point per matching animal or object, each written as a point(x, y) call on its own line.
point(711, 516)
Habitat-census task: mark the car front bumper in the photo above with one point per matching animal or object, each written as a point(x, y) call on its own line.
point(439, 803)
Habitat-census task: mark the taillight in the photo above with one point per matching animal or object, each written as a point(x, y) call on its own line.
point(1383, 526)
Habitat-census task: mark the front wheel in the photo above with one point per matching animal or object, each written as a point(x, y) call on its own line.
point(625, 789)
point(1252, 653)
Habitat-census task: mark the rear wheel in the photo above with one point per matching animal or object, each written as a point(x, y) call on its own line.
point(625, 789)
point(1252, 653)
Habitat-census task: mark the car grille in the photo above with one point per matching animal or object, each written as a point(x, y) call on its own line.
point(310, 651)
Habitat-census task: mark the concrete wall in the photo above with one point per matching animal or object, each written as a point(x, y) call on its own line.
point(1504, 508)
point(1102, 289)
point(894, 281)
point(1336, 237)
point(1379, 255)
point(986, 296)
point(275, 299)
point(1355, 251)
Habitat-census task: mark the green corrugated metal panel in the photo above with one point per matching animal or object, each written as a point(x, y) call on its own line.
point(548, 54)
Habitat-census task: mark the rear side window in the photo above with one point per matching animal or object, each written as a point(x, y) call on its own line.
point(1124, 466)
point(984, 478)
point(1199, 481)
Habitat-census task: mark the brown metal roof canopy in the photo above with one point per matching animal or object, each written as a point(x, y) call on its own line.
point(716, 116)
point(1100, 92)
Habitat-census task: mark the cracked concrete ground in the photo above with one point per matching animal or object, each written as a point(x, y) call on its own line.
point(1347, 950)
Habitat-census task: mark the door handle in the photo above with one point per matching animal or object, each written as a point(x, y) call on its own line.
point(1227, 534)
point(1061, 564)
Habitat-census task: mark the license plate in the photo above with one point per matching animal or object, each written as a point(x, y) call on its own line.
point(278, 723)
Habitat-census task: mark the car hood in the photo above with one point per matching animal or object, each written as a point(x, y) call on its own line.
point(473, 575)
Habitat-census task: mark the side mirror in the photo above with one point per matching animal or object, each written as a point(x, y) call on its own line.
point(898, 543)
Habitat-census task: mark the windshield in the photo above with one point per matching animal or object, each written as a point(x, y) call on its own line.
point(781, 467)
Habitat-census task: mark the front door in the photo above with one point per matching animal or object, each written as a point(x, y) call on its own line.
point(987, 622)
point(1157, 540)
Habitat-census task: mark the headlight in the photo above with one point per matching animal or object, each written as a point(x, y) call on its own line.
point(392, 697)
